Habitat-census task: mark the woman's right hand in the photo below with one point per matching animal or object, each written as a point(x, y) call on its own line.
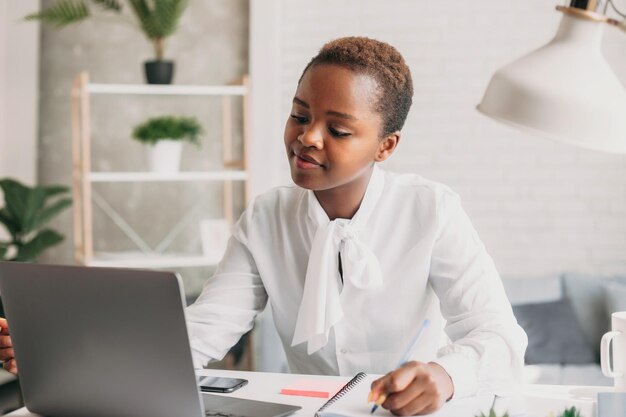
point(6, 348)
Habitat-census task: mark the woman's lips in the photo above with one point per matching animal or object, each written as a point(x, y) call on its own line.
point(305, 162)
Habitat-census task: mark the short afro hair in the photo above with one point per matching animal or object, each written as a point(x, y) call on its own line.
point(380, 61)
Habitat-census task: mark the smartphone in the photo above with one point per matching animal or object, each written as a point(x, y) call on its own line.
point(218, 384)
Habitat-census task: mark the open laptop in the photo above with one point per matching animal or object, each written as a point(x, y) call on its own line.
point(107, 342)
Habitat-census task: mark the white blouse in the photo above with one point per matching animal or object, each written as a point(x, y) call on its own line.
point(409, 253)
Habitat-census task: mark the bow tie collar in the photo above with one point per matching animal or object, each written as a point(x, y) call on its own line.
point(320, 308)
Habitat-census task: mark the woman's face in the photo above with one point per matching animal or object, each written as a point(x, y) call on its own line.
point(332, 134)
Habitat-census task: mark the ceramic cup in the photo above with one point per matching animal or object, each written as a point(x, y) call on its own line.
point(614, 366)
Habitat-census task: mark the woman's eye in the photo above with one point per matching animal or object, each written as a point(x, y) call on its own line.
point(299, 119)
point(338, 133)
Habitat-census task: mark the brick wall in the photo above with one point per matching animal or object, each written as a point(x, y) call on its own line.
point(539, 206)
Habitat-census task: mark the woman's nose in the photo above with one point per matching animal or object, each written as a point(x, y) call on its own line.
point(311, 137)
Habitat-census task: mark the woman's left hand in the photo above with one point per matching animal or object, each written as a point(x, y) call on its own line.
point(414, 388)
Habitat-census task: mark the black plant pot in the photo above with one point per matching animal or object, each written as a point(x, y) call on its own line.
point(159, 72)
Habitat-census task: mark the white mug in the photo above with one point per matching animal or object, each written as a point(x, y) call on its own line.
point(615, 368)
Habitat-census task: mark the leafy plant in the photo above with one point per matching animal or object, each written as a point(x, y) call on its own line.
point(570, 412)
point(169, 127)
point(492, 413)
point(157, 19)
point(25, 213)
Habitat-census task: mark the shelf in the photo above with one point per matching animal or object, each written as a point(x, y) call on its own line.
point(169, 89)
point(231, 175)
point(140, 260)
point(227, 175)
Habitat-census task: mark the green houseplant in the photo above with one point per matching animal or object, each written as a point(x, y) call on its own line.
point(26, 212)
point(571, 412)
point(166, 134)
point(157, 19)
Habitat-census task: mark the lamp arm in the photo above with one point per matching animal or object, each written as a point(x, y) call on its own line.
point(621, 24)
point(614, 8)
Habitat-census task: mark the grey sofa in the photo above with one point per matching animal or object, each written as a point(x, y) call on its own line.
point(565, 317)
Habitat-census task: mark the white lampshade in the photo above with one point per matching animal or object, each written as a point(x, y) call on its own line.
point(564, 90)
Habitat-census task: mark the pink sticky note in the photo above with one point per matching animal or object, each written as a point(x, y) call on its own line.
point(313, 388)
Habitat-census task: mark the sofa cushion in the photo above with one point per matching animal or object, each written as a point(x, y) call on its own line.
point(554, 374)
point(589, 304)
point(526, 290)
point(615, 295)
point(553, 333)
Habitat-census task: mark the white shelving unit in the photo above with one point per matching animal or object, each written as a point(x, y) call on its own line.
point(141, 260)
point(157, 177)
point(83, 177)
point(169, 90)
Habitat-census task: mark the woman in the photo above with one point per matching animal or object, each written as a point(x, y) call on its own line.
point(352, 258)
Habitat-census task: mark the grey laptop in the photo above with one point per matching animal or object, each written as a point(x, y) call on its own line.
point(105, 342)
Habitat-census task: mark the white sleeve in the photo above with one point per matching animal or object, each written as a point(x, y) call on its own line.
point(229, 302)
point(487, 349)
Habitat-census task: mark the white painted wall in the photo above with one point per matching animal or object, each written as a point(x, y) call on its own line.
point(19, 91)
point(265, 117)
point(540, 207)
point(266, 146)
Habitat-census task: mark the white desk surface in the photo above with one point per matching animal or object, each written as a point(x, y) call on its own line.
point(540, 400)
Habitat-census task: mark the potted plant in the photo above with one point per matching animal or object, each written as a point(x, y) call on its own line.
point(157, 19)
point(571, 412)
point(26, 212)
point(166, 135)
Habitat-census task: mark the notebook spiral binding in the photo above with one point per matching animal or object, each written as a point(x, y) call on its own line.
point(343, 391)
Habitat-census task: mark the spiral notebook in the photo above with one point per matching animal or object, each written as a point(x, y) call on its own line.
point(351, 401)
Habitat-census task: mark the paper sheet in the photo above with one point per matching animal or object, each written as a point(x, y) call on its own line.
point(354, 404)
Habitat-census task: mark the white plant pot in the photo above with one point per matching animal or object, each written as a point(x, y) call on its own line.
point(165, 156)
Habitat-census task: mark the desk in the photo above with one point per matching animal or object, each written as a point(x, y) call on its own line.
point(539, 400)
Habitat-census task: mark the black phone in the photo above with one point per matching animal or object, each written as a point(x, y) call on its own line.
point(219, 384)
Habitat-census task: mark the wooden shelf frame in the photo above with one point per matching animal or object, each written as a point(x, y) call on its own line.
point(83, 177)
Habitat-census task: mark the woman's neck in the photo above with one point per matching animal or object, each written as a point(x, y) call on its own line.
point(343, 202)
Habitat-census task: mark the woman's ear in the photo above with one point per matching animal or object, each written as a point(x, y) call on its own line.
point(387, 146)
